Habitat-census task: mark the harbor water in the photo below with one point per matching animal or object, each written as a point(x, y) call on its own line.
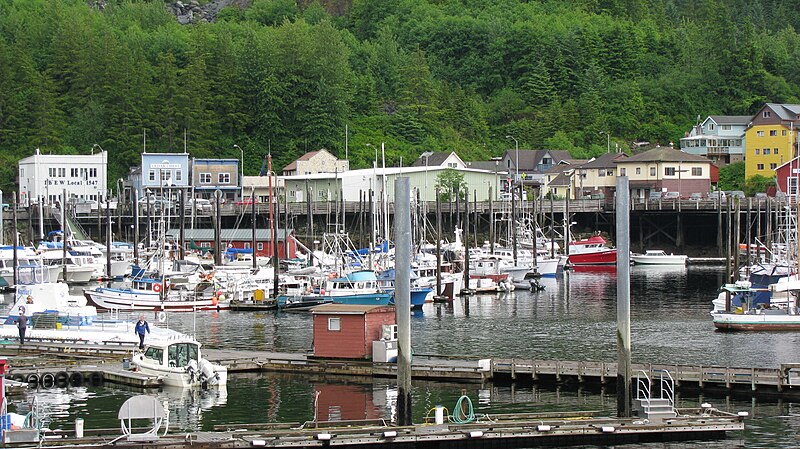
point(572, 319)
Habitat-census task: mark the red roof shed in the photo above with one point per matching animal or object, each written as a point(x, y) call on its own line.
point(347, 331)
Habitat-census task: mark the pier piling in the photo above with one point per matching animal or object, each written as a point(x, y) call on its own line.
point(623, 299)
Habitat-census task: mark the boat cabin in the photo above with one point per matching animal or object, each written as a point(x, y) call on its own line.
point(175, 355)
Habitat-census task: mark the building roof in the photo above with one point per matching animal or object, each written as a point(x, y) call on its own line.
point(561, 180)
point(788, 112)
point(530, 159)
point(349, 309)
point(433, 158)
point(664, 154)
point(227, 235)
point(485, 165)
point(606, 160)
point(731, 119)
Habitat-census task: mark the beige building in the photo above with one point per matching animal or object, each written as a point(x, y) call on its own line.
point(597, 178)
point(320, 161)
point(666, 170)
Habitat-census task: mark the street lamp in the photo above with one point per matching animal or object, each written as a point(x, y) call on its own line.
point(241, 180)
point(516, 148)
point(608, 141)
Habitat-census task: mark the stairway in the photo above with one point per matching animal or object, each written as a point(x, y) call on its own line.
point(656, 409)
point(44, 320)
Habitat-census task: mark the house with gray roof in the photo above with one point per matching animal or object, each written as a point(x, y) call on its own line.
point(439, 159)
point(664, 169)
point(720, 138)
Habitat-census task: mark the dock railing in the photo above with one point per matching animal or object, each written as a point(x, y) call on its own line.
point(643, 386)
point(667, 385)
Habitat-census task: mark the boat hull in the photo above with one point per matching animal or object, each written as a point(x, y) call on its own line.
point(122, 299)
point(757, 322)
point(598, 258)
point(659, 260)
point(369, 299)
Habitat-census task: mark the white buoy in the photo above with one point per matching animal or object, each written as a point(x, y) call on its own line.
point(439, 415)
point(78, 427)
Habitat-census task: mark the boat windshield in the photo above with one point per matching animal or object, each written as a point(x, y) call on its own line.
point(181, 353)
point(32, 274)
point(156, 354)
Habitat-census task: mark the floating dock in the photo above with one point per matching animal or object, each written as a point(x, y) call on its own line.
point(518, 430)
point(108, 361)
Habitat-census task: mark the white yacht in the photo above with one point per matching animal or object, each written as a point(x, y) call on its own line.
point(658, 257)
point(178, 362)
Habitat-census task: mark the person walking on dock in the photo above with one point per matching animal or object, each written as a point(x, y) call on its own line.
point(22, 325)
point(141, 328)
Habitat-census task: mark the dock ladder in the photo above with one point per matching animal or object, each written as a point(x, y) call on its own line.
point(656, 409)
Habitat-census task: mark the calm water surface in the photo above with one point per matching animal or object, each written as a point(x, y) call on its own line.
point(572, 319)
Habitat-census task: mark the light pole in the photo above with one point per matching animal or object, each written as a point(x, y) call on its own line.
point(516, 163)
point(241, 180)
point(608, 141)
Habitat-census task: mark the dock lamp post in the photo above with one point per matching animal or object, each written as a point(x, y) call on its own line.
point(241, 180)
point(608, 141)
point(516, 163)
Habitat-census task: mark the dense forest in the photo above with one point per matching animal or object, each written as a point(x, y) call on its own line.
point(416, 74)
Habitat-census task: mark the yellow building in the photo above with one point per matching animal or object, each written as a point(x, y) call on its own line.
point(771, 138)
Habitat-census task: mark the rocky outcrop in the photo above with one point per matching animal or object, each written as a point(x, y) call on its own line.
point(191, 11)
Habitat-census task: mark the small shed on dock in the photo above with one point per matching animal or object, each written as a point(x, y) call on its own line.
point(347, 331)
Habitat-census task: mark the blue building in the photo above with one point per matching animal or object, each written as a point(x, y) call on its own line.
point(719, 138)
point(161, 171)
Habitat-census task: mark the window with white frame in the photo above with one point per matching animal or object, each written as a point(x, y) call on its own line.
point(766, 151)
point(725, 127)
point(260, 246)
point(767, 114)
point(652, 171)
point(166, 175)
point(759, 166)
point(334, 324)
point(151, 175)
point(760, 133)
point(205, 178)
point(697, 171)
point(638, 170)
point(178, 175)
point(791, 185)
point(601, 172)
point(758, 150)
point(773, 166)
point(622, 171)
point(223, 178)
point(773, 132)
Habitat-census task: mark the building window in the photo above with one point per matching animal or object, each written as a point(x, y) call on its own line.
point(178, 175)
point(783, 132)
point(165, 175)
point(759, 166)
point(260, 246)
point(791, 185)
point(205, 178)
point(758, 150)
point(152, 175)
point(773, 166)
point(725, 127)
point(93, 172)
point(223, 178)
point(334, 324)
point(669, 171)
point(73, 172)
point(766, 114)
point(773, 132)
point(711, 127)
point(622, 171)
point(766, 151)
point(62, 172)
point(652, 171)
point(601, 173)
point(638, 170)
point(51, 172)
point(697, 171)
point(774, 151)
point(452, 164)
point(246, 245)
point(760, 133)
point(611, 172)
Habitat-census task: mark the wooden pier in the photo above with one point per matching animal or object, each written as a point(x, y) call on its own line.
point(107, 361)
point(518, 430)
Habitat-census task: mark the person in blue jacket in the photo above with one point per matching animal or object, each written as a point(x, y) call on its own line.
point(141, 328)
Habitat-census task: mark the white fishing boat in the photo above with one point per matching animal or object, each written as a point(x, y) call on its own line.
point(155, 295)
point(658, 257)
point(178, 362)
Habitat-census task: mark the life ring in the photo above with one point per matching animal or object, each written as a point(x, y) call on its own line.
point(96, 378)
point(157, 288)
point(33, 378)
point(48, 380)
point(62, 378)
point(162, 316)
point(76, 379)
point(18, 377)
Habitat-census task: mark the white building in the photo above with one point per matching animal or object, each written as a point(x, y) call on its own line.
point(47, 176)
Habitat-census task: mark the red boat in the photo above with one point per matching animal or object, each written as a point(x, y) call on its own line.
point(592, 251)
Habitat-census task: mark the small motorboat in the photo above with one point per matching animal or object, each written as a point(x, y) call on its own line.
point(658, 257)
point(178, 362)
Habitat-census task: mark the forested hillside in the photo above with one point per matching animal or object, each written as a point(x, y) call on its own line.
point(416, 74)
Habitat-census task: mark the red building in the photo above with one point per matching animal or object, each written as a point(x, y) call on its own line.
point(241, 239)
point(347, 331)
point(786, 176)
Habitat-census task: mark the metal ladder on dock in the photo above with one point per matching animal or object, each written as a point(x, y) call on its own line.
point(656, 409)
